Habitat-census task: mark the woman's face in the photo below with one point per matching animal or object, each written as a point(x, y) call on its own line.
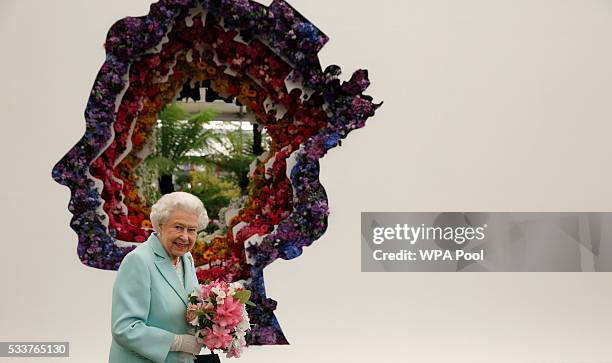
point(179, 232)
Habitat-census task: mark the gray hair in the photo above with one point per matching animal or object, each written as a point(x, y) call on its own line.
point(168, 203)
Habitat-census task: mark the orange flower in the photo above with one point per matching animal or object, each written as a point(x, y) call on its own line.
point(207, 255)
point(201, 65)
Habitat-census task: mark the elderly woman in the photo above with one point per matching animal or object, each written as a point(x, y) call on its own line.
point(152, 286)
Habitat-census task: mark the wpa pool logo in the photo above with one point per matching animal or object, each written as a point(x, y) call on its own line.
point(447, 255)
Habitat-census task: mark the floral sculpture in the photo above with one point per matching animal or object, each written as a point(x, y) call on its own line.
point(266, 57)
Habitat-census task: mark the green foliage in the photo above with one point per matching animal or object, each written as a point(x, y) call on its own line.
point(234, 155)
point(178, 134)
point(214, 192)
point(148, 182)
point(242, 295)
point(212, 164)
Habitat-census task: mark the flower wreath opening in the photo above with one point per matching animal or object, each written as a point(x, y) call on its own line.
point(265, 57)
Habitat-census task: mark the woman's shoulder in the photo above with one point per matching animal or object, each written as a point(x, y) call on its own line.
point(141, 254)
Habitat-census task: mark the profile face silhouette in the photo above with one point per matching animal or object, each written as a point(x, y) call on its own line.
point(264, 57)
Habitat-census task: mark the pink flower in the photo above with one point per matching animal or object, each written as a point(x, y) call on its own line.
point(229, 314)
point(192, 313)
point(216, 338)
point(209, 307)
point(233, 353)
point(205, 291)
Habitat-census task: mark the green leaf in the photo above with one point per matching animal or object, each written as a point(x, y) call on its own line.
point(243, 296)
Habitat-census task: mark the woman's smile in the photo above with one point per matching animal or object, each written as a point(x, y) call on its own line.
point(181, 245)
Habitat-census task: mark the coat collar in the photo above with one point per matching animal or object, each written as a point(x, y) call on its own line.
point(164, 265)
point(160, 251)
point(157, 247)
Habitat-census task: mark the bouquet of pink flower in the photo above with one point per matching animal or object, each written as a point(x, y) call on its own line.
point(218, 311)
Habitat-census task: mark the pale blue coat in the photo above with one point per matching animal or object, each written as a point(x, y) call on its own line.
point(150, 305)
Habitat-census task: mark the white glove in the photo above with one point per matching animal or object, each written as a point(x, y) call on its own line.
point(186, 343)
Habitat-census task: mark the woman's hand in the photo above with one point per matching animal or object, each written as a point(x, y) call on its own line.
point(186, 343)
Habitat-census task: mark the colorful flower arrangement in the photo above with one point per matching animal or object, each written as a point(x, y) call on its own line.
point(218, 312)
point(248, 51)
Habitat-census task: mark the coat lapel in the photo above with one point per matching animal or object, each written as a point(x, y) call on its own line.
point(166, 269)
point(190, 281)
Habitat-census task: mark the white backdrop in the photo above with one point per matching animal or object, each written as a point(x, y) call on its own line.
point(489, 106)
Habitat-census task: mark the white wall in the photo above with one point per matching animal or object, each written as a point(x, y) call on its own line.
point(489, 106)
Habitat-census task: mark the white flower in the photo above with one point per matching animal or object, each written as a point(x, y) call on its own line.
point(235, 285)
point(240, 334)
point(220, 294)
point(196, 292)
point(244, 326)
point(245, 323)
